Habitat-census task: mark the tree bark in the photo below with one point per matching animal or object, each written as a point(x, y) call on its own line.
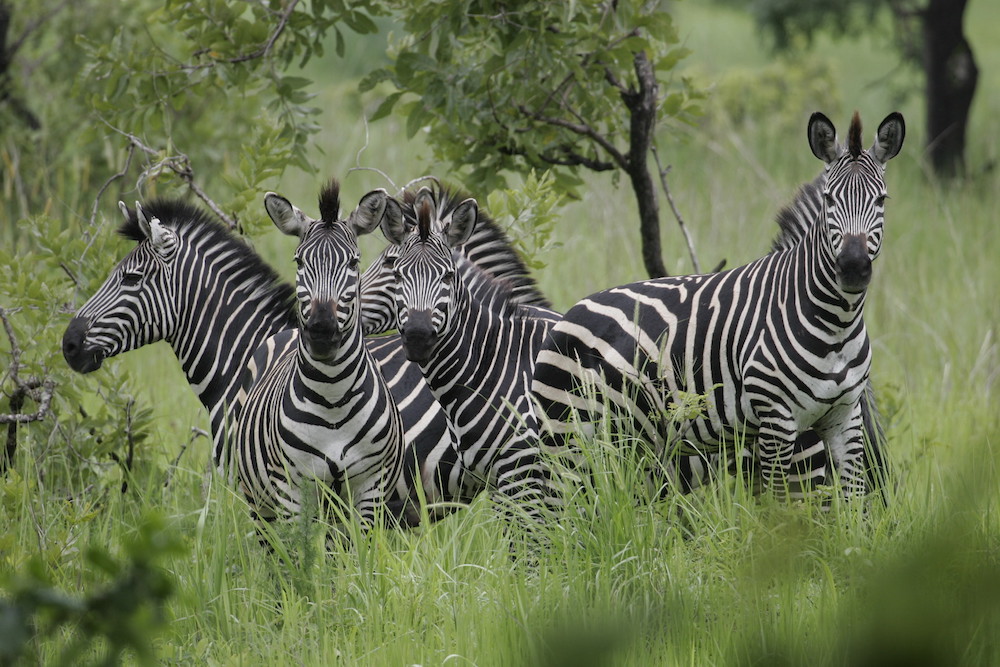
point(642, 107)
point(952, 74)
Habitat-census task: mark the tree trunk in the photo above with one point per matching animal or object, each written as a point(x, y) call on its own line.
point(951, 73)
point(642, 106)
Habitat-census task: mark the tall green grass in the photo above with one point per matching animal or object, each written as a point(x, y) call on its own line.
point(716, 577)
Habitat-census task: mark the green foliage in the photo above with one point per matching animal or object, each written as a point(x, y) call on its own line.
point(528, 85)
point(776, 93)
point(122, 615)
point(529, 214)
point(793, 24)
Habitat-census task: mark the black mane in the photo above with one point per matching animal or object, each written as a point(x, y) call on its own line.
point(329, 201)
point(797, 218)
point(187, 220)
point(488, 239)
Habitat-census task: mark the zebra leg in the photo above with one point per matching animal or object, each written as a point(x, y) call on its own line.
point(842, 431)
point(774, 447)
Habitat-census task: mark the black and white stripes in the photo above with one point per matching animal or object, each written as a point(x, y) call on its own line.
point(778, 346)
point(322, 412)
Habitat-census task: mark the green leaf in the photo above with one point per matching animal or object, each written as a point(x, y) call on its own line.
point(385, 108)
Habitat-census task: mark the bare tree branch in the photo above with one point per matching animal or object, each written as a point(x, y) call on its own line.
point(40, 391)
point(673, 208)
point(579, 128)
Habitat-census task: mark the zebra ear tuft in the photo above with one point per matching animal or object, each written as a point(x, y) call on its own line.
point(370, 211)
point(160, 236)
point(822, 138)
point(462, 223)
point(889, 138)
point(286, 217)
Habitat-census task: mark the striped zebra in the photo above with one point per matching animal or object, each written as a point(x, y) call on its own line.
point(323, 412)
point(196, 285)
point(489, 248)
point(777, 346)
point(475, 346)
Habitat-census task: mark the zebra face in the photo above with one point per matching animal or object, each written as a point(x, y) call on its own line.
point(378, 293)
point(326, 279)
point(134, 306)
point(326, 287)
point(854, 195)
point(425, 271)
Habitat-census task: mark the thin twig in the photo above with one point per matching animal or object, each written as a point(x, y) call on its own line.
point(673, 207)
point(195, 434)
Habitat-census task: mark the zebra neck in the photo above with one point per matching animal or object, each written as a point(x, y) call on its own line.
point(331, 385)
point(225, 313)
point(827, 311)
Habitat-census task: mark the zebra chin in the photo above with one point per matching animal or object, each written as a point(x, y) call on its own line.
point(322, 346)
point(80, 358)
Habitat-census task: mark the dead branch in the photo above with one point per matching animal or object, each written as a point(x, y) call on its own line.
point(673, 208)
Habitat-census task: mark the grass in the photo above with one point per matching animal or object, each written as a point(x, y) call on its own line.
point(717, 577)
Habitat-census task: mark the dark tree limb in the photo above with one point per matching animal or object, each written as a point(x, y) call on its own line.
point(641, 103)
point(38, 390)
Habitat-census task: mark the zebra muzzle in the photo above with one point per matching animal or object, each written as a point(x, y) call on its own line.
point(854, 266)
point(418, 336)
point(321, 333)
point(80, 358)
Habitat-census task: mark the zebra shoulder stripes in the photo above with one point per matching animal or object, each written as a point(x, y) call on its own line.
point(778, 345)
point(474, 346)
point(325, 412)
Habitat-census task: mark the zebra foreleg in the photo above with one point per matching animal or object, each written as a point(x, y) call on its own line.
point(842, 431)
point(774, 447)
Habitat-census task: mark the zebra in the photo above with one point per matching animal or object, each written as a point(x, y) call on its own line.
point(489, 248)
point(322, 412)
point(475, 346)
point(193, 283)
point(776, 346)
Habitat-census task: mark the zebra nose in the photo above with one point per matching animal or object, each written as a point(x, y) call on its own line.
point(854, 266)
point(321, 333)
point(74, 348)
point(418, 336)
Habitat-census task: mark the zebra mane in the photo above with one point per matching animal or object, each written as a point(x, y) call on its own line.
point(189, 221)
point(489, 247)
point(854, 136)
point(329, 201)
point(797, 217)
point(488, 289)
point(424, 221)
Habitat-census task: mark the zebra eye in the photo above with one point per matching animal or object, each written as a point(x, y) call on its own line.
point(388, 262)
point(880, 200)
point(828, 198)
point(298, 261)
point(352, 263)
point(131, 278)
point(448, 277)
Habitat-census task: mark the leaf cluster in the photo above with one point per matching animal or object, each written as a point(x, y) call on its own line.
point(528, 85)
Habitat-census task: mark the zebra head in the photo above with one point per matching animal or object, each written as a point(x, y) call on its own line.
point(135, 305)
point(425, 270)
point(378, 293)
point(854, 194)
point(326, 278)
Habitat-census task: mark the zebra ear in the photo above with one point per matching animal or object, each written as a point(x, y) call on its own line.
point(286, 217)
point(160, 237)
point(372, 208)
point(822, 138)
point(123, 207)
point(393, 225)
point(889, 138)
point(462, 223)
